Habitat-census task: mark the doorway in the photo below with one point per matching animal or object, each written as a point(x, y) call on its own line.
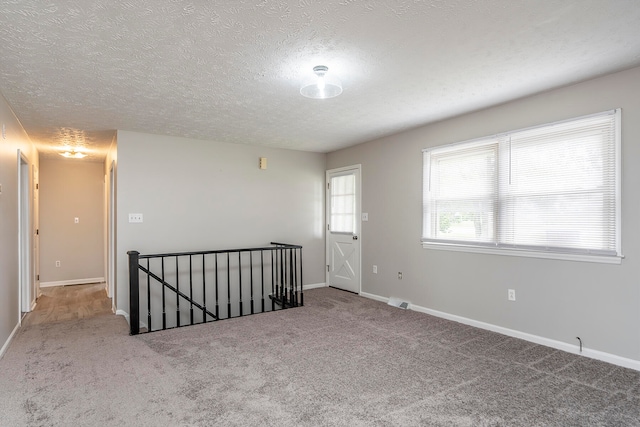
point(343, 228)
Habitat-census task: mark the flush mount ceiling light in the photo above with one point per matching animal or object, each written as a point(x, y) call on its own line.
point(73, 153)
point(322, 86)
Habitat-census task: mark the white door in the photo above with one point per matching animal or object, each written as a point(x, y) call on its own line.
point(343, 228)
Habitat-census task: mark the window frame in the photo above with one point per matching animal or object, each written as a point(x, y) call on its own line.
point(499, 248)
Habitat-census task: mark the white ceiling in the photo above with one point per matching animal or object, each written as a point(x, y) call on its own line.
point(230, 70)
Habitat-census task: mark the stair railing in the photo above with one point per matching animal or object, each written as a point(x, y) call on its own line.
point(188, 288)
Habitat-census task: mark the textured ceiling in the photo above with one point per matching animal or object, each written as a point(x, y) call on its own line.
point(230, 71)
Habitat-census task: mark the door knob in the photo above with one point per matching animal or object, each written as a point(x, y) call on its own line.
point(355, 237)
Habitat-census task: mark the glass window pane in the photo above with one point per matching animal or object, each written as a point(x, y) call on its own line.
point(343, 203)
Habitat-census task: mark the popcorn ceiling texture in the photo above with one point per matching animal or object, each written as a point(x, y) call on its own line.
point(230, 71)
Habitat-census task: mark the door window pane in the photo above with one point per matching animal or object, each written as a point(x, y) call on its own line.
point(343, 204)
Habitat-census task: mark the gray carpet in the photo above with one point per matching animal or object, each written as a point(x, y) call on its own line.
point(341, 360)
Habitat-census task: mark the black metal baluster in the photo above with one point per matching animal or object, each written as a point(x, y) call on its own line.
point(204, 293)
point(289, 276)
point(240, 278)
point(262, 277)
point(228, 285)
point(217, 304)
point(191, 289)
point(164, 306)
point(277, 265)
point(301, 281)
point(273, 284)
point(283, 287)
point(134, 293)
point(148, 299)
point(177, 294)
point(251, 277)
point(294, 276)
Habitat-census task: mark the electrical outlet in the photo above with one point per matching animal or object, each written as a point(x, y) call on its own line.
point(511, 294)
point(135, 217)
point(375, 269)
point(76, 220)
point(57, 263)
point(399, 275)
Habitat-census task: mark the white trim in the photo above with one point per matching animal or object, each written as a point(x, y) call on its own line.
point(559, 345)
point(126, 317)
point(313, 286)
point(72, 282)
point(618, 113)
point(481, 139)
point(5, 347)
point(375, 297)
point(123, 313)
point(603, 259)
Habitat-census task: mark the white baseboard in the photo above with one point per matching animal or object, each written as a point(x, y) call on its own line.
point(5, 346)
point(559, 345)
point(314, 286)
point(72, 282)
point(123, 313)
point(126, 316)
point(375, 297)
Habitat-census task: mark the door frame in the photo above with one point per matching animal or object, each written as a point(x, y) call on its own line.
point(111, 236)
point(329, 172)
point(35, 188)
point(25, 268)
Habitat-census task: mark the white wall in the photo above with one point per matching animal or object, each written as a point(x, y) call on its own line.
point(15, 138)
point(69, 189)
point(200, 195)
point(557, 300)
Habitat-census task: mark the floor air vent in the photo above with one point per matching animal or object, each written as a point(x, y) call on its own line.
point(397, 302)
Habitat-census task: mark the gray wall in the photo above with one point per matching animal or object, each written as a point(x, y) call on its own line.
point(199, 195)
point(557, 300)
point(16, 138)
point(71, 188)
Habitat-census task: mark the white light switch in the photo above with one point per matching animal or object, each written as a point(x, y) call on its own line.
point(365, 216)
point(76, 220)
point(135, 217)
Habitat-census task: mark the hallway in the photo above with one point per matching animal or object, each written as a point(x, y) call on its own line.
point(71, 302)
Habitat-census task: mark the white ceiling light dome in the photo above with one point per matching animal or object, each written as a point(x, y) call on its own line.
point(322, 86)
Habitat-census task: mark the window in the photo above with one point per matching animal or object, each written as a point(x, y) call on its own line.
point(343, 204)
point(549, 191)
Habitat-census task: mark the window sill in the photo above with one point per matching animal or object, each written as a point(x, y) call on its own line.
point(524, 253)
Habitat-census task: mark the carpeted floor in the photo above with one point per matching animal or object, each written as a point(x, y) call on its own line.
point(341, 360)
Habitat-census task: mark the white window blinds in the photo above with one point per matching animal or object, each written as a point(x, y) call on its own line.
point(462, 192)
point(553, 188)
